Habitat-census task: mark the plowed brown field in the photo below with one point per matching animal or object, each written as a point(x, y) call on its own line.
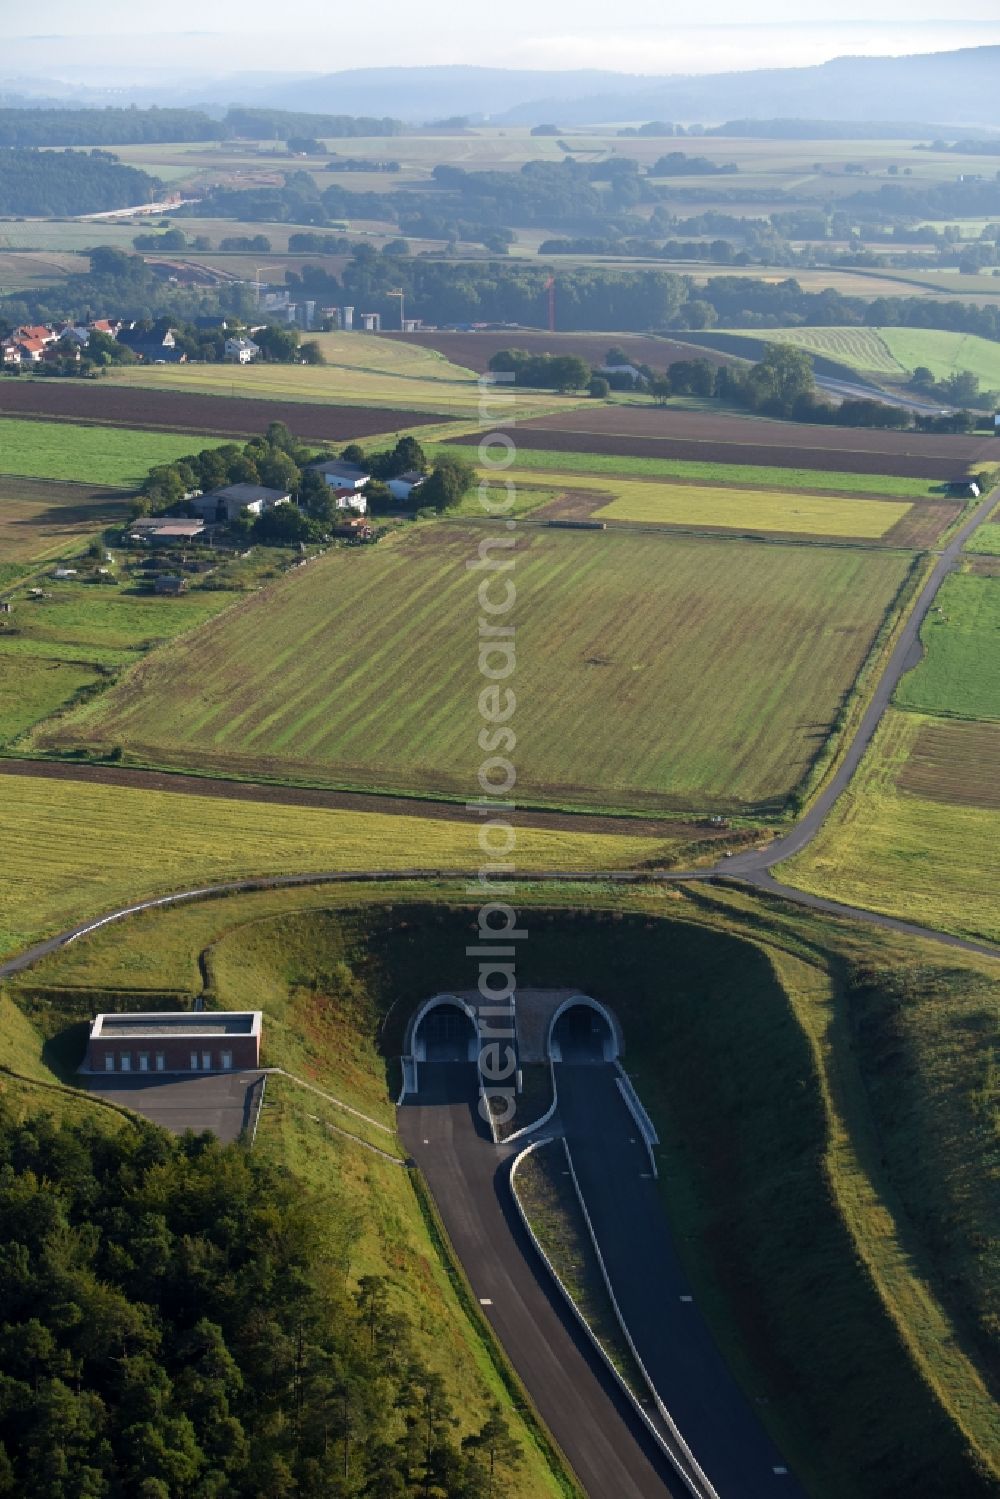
point(152, 410)
point(652, 432)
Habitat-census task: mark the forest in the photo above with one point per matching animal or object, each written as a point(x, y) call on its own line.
point(63, 183)
point(105, 127)
point(178, 1321)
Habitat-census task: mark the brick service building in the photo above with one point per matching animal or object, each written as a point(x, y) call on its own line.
point(175, 1041)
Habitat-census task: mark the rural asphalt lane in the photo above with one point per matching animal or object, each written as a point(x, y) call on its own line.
point(670, 1333)
point(604, 1440)
point(905, 654)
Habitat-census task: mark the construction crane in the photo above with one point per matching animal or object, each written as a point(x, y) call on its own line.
point(398, 292)
point(550, 288)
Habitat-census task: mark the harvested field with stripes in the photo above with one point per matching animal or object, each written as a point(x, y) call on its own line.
point(223, 415)
point(39, 520)
point(954, 762)
point(660, 676)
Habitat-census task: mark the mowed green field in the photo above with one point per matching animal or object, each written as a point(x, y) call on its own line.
point(959, 673)
point(116, 456)
point(751, 510)
point(39, 520)
point(661, 674)
point(559, 467)
point(896, 352)
point(914, 835)
point(360, 371)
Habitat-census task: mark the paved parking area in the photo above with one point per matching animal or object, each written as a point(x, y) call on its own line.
point(223, 1102)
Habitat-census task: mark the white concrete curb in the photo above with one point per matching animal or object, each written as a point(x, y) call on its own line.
point(529, 1129)
point(260, 1108)
point(683, 1458)
point(595, 1341)
point(635, 1107)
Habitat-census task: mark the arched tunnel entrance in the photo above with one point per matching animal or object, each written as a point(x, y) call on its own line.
point(445, 1032)
point(582, 1031)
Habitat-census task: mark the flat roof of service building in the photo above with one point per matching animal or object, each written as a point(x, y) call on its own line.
point(180, 1024)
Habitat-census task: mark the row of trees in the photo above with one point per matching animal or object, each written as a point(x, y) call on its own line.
point(47, 183)
point(69, 126)
point(177, 1322)
point(470, 291)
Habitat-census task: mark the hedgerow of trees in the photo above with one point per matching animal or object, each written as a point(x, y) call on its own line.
point(177, 1321)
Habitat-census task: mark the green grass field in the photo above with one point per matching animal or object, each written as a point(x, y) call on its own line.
point(77, 636)
point(360, 371)
point(116, 456)
point(668, 675)
point(879, 486)
point(985, 540)
point(928, 859)
point(72, 849)
point(958, 674)
point(750, 510)
point(896, 352)
point(39, 521)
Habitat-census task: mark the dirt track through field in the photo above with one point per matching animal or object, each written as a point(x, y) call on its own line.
point(155, 410)
point(349, 801)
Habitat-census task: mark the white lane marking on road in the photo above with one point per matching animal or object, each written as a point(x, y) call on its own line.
point(485, 1301)
point(687, 1298)
point(781, 1472)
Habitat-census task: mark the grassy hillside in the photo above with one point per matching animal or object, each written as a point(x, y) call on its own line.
point(655, 674)
point(825, 1200)
point(895, 352)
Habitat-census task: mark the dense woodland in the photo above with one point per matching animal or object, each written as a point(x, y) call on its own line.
point(178, 1321)
point(126, 127)
point(104, 127)
point(58, 183)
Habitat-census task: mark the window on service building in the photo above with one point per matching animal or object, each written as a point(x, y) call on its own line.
point(109, 1061)
point(227, 1060)
point(144, 1061)
point(206, 1060)
point(126, 1061)
point(194, 1061)
point(161, 1061)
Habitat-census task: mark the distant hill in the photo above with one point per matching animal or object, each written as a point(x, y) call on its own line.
point(954, 88)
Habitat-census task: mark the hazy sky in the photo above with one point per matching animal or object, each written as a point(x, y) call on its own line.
point(64, 36)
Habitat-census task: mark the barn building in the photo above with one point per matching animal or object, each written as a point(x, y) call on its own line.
point(175, 1041)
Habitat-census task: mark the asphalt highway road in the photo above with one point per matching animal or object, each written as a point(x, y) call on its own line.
point(670, 1333)
point(607, 1445)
